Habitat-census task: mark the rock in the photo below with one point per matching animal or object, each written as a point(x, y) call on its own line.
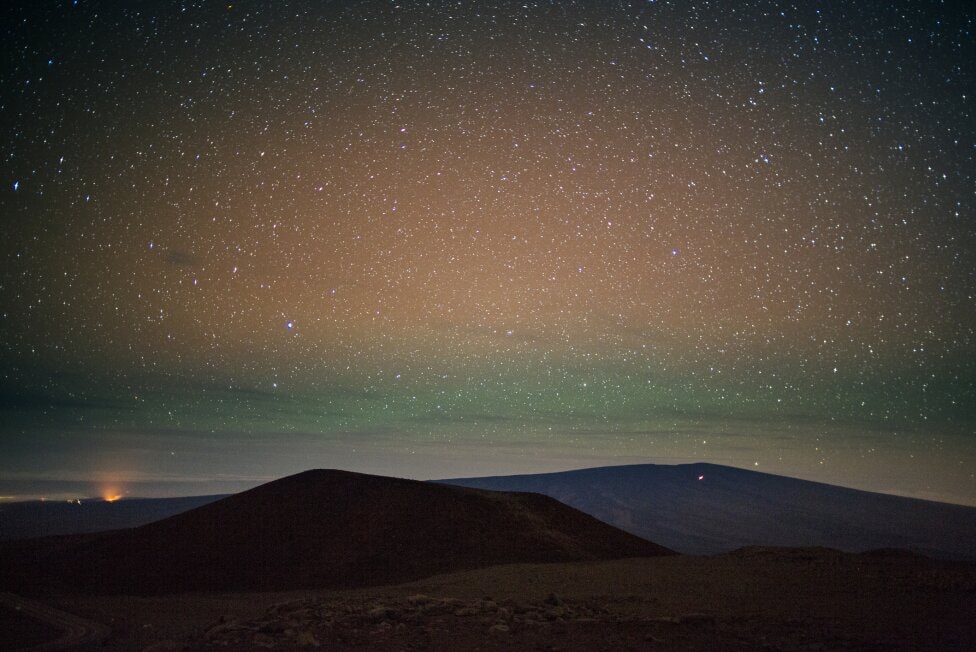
point(306, 639)
point(434, 609)
point(498, 628)
point(213, 632)
point(419, 599)
point(696, 619)
point(551, 615)
point(670, 620)
point(466, 611)
point(384, 626)
point(223, 628)
point(263, 640)
point(377, 613)
point(162, 646)
point(553, 600)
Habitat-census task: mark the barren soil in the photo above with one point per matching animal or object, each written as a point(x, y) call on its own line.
point(775, 599)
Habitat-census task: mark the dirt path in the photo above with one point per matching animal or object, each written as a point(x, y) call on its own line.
point(76, 631)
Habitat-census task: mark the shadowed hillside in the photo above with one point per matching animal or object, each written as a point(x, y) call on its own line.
point(322, 529)
point(728, 508)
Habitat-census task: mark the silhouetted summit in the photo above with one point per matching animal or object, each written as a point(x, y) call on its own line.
point(708, 508)
point(327, 528)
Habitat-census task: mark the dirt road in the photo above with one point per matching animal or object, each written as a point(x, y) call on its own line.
point(75, 631)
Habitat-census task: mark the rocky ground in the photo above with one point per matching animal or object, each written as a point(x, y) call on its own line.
point(760, 599)
point(423, 622)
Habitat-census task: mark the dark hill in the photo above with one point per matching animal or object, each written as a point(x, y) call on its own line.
point(323, 529)
point(729, 508)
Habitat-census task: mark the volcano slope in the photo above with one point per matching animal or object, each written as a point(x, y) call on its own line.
point(319, 529)
point(707, 509)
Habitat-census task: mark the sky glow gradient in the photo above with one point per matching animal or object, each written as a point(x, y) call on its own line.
point(439, 239)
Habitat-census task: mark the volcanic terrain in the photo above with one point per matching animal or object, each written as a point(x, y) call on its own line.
point(321, 529)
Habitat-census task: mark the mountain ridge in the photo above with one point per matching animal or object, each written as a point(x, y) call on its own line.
point(322, 528)
point(704, 508)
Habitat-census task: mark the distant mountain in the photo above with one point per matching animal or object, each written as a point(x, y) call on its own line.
point(707, 508)
point(43, 518)
point(320, 529)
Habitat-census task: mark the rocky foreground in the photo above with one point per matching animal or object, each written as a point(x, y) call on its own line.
point(423, 622)
point(755, 599)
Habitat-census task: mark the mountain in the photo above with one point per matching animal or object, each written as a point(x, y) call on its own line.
point(707, 508)
point(44, 518)
point(321, 529)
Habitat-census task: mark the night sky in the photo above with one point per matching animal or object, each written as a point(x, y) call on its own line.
point(241, 240)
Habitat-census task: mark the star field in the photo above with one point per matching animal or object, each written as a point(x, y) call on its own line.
point(435, 239)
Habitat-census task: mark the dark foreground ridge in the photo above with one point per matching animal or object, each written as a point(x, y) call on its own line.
point(709, 509)
point(320, 529)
